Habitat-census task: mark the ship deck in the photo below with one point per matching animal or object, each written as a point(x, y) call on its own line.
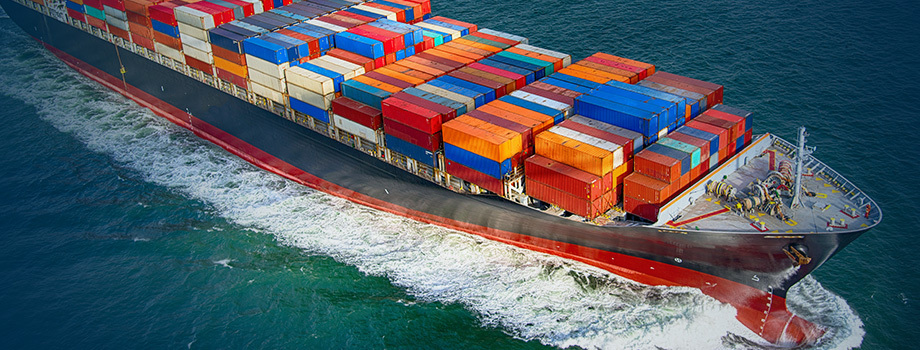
point(826, 200)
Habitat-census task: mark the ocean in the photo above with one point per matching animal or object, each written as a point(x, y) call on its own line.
point(121, 230)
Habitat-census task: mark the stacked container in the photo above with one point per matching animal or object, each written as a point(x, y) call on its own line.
point(165, 29)
point(601, 68)
point(357, 119)
point(312, 85)
point(713, 92)
point(139, 24)
point(581, 151)
point(95, 14)
point(474, 147)
point(75, 9)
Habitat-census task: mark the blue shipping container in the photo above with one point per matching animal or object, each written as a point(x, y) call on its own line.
point(366, 47)
point(666, 116)
point(476, 162)
point(528, 75)
point(680, 102)
point(698, 98)
point(487, 92)
point(557, 115)
point(444, 101)
point(565, 85)
point(310, 110)
point(265, 50)
point(165, 28)
point(617, 114)
point(364, 93)
point(407, 149)
point(478, 98)
point(575, 80)
point(713, 139)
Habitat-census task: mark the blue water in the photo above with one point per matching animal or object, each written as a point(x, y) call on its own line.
point(120, 230)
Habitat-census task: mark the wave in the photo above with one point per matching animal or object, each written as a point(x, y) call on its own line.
point(529, 295)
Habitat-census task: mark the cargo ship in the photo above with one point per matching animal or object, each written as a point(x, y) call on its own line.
point(606, 161)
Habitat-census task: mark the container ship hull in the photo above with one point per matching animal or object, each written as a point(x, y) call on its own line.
point(750, 271)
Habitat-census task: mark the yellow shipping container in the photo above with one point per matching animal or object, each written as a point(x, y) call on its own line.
point(573, 153)
point(487, 143)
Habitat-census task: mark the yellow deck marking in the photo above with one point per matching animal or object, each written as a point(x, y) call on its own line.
point(827, 185)
point(760, 214)
point(775, 231)
point(820, 195)
point(791, 222)
point(818, 178)
point(863, 225)
point(790, 231)
point(835, 191)
point(709, 199)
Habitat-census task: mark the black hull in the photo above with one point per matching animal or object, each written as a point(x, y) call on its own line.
point(699, 259)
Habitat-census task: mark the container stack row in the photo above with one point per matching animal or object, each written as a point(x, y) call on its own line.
point(666, 168)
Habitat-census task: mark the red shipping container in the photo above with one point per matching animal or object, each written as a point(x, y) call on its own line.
point(415, 116)
point(312, 42)
point(748, 136)
point(121, 33)
point(268, 5)
point(400, 13)
point(648, 189)
point(519, 80)
point(525, 131)
point(98, 23)
point(367, 63)
point(582, 207)
point(421, 61)
point(563, 177)
point(355, 16)
point(641, 208)
point(440, 60)
point(232, 78)
point(115, 4)
point(142, 41)
point(472, 176)
point(388, 79)
point(549, 94)
point(618, 65)
point(76, 15)
point(96, 4)
point(358, 112)
point(138, 18)
point(736, 122)
point(555, 89)
point(724, 137)
point(657, 166)
point(380, 62)
point(661, 79)
point(139, 6)
point(715, 88)
point(446, 113)
point(140, 30)
point(392, 42)
point(470, 26)
point(431, 142)
point(236, 58)
point(164, 13)
point(248, 8)
point(702, 144)
point(199, 65)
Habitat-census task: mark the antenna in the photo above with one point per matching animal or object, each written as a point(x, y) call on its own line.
point(801, 153)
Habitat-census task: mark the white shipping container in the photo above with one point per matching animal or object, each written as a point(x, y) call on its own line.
point(613, 129)
point(193, 17)
point(321, 101)
point(353, 128)
point(331, 27)
point(114, 12)
point(566, 58)
point(274, 70)
point(454, 34)
point(559, 106)
point(118, 23)
point(187, 30)
point(469, 102)
point(521, 39)
point(616, 149)
point(266, 80)
point(198, 44)
point(390, 15)
point(197, 54)
point(347, 73)
point(358, 69)
point(267, 93)
point(312, 81)
point(169, 52)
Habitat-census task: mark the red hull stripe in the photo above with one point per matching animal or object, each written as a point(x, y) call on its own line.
point(762, 312)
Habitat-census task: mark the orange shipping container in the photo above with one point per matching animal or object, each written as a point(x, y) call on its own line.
point(457, 50)
point(580, 74)
point(377, 84)
point(478, 45)
point(573, 153)
point(536, 126)
point(496, 143)
point(632, 76)
point(450, 56)
point(406, 78)
point(610, 76)
point(231, 67)
point(406, 64)
point(650, 190)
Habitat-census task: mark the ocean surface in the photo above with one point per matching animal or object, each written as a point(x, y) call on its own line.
point(121, 230)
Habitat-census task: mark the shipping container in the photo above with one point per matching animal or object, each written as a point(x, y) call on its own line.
point(643, 122)
point(358, 112)
point(537, 89)
point(703, 145)
point(526, 131)
point(456, 108)
point(487, 140)
point(354, 128)
point(574, 153)
point(648, 69)
point(734, 129)
point(428, 141)
point(478, 162)
point(568, 179)
point(692, 150)
point(748, 116)
point(716, 96)
point(640, 208)
point(647, 189)
point(364, 93)
point(657, 166)
point(737, 122)
point(626, 144)
point(412, 115)
point(468, 102)
point(409, 150)
point(708, 92)
point(588, 208)
point(477, 178)
point(576, 90)
point(563, 108)
point(546, 121)
point(613, 148)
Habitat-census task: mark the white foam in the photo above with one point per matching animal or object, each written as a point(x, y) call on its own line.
point(527, 294)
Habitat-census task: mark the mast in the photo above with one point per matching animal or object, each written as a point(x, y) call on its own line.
point(801, 153)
